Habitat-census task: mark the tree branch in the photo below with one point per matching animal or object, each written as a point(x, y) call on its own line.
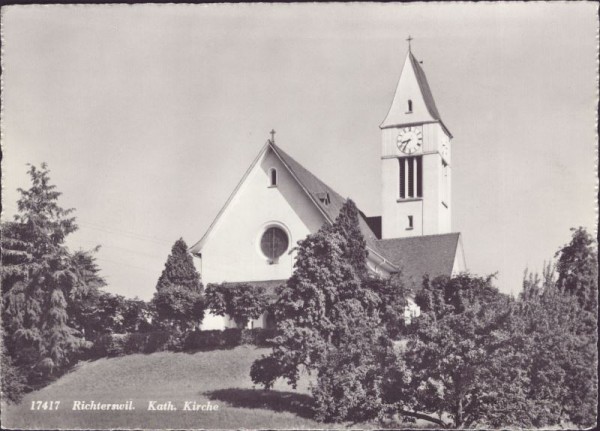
point(424, 416)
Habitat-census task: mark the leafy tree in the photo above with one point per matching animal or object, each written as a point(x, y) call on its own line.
point(460, 365)
point(392, 303)
point(110, 313)
point(349, 378)
point(323, 314)
point(42, 282)
point(354, 249)
point(561, 336)
point(136, 315)
point(179, 269)
point(178, 300)
point(179, 307)
point(577, 268)
point(240, 301)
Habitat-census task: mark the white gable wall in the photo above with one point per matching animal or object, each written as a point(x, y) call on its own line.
point(232, 250)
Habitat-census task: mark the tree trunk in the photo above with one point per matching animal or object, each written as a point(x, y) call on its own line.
point(424, 416)
point(458, 417)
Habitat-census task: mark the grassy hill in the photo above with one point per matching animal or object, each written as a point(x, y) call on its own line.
point(220, 377)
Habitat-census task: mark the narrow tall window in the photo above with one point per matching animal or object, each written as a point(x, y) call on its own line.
point(419, 161)
point(410, 222)
point(273, 177)
point(402, 177)
point(409, 105)
point(411, 177)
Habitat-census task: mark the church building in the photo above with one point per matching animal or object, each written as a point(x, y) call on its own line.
point(281, 202)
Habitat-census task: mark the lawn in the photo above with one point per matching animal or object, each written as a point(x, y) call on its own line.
point(220, 377)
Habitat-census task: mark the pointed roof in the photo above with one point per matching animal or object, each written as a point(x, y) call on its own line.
point(413, 86)
point(327, 200)
point(424, 86)
point(319, 191)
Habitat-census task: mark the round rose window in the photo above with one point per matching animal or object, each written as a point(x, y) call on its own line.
point(274, 242)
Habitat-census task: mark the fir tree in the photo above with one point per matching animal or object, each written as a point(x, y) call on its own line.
point(178, 299)
point(179, 269)
point(42, 282)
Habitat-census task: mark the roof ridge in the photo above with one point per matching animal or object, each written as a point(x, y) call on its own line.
point(335, 202)
point(290, 158)
point(420, 236)
point(425, 88)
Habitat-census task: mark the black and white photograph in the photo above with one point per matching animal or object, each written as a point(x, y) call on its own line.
point(299, 216)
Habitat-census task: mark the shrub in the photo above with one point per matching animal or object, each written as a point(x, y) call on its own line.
point(110, 345)
point(241, 301)
point(148, 342)
point(258, 336)
point(227, 339)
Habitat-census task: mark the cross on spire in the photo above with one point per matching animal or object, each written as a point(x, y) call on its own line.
point(272, 132)
point(408, 40)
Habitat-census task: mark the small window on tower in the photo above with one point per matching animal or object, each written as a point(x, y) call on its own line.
point(273, 177)
point(409, 106)
point(410, 222)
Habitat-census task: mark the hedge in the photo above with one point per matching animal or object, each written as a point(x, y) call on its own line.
point(110, 345)
point(126, 344)
point(228, 338)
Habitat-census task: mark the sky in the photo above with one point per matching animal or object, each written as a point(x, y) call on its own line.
point(149, 115)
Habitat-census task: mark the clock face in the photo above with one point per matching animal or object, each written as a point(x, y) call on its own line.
point(409, 140)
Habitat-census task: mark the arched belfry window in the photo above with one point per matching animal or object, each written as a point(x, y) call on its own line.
point(273, 177)
point(409, 105)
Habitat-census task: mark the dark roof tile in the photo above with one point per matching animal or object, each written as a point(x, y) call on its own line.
point(318, 189)
point(424, 86)
point(417, 256)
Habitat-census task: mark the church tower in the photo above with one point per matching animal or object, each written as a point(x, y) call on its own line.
point(415, 160)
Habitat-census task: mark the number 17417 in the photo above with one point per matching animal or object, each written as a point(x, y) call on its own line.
point(45, 405)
